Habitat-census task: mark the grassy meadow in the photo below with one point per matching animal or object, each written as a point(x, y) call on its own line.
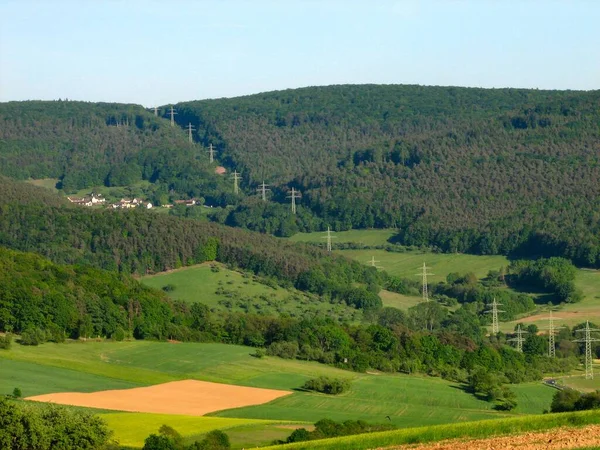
point(220, 288)
point(466, 431)
point(409, 400)
point(130, 429)
point(407, 264)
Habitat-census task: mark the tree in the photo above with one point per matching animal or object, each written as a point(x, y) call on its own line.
point(17, 393)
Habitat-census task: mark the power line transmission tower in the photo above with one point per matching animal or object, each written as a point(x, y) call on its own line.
point(294, 194)
point(156, 110)
point(329, 237)
point(236, 179)
point(519, 339)
point(172, 113)
point(551, 335)
point(588, 339)
point(373, 263)
point(190, 128)
point(423, 276)
point(494, 312)
point(211, 153)
point(263, 188)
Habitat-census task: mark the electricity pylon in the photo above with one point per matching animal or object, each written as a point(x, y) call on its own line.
point(551, 334)
point(373, 263)
point(262, 188)
point(236, 179)
point(329, 237)
point(190, 128)
point(172, 113)
point(423, 276)
point(294, 194)
point(211, 153)
point(156, 110)
point(588, 339)
point(494, 312)
point(519, 339)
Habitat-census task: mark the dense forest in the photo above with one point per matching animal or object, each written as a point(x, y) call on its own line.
point(489, 171)
point(469, 170)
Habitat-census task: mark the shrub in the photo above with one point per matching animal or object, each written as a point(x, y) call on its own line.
point(258, 353)
point(33, 336)
point(214, 440)
point(5, 341)
point(17, 393)
point(327, 385)
point(119, 334)
point(169, 287)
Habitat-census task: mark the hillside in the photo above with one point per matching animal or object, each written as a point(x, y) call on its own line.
point(478, 170)
point(492, 171)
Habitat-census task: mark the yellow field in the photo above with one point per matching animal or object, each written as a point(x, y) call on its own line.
point(131, 429)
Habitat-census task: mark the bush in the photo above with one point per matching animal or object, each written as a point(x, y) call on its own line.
point(327, 385)
point(33, 336)
point(169, 287)
point(5, 341)
point(258, 353)
point(214, 440)
point(17, 393)
point(119, 334)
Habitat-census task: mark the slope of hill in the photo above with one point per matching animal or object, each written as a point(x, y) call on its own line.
point(479, 170)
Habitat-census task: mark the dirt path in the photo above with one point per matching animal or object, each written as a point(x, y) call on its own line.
point(188, 397)
point(561, 438)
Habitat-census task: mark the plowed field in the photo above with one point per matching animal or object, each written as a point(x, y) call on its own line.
point(561, 438)
point(189, 397)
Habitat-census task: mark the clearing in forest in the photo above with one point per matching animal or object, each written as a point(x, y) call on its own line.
point(188, 397)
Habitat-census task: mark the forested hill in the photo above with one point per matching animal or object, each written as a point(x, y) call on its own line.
point(93, 144)
point(482, 170)
point(142, 242)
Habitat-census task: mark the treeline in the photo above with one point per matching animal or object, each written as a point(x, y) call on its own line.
point(566, 400)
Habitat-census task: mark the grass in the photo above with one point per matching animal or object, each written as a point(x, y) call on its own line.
point(579, 383)
point(48, 183)
point(408, 264)
point(372, 237)
point(131, 429)
point(225, 289)
point(408, 400)
point(472, 430)
point(36, 379)
point(411, 400)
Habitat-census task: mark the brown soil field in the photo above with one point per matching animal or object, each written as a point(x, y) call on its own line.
point(188, 397)
point(561, 438)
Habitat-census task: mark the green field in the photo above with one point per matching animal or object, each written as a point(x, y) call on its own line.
point(372, 237)
point(130, 429)
point(146, 363)
point(37, 379)
point(235, 291)
point(48, 183)
point(407, 264)
point(465, 431)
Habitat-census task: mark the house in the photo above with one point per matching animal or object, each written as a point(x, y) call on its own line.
point(97, 199)
point(190, 202)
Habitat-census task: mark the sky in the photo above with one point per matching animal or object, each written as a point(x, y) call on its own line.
point(160, 52)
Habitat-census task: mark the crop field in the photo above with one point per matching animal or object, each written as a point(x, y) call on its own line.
point(572, 422)
point(218, 287)
point(37, 379)
point(48, 183)
point(408, 400)
point(130, 429)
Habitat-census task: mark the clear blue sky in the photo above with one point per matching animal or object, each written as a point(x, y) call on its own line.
point(158, 52)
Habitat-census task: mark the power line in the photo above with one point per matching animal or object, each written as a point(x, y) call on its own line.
point(423, 276)
point(190, 128)
point(236, 179)
point(262, 188)
point(551, 335)
point(172, 113)
point(588, 339)
point(494, 312)
point(211, 153)
point(519, 339)
point(329, 237)
point(294, 194)
point(373, 263)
